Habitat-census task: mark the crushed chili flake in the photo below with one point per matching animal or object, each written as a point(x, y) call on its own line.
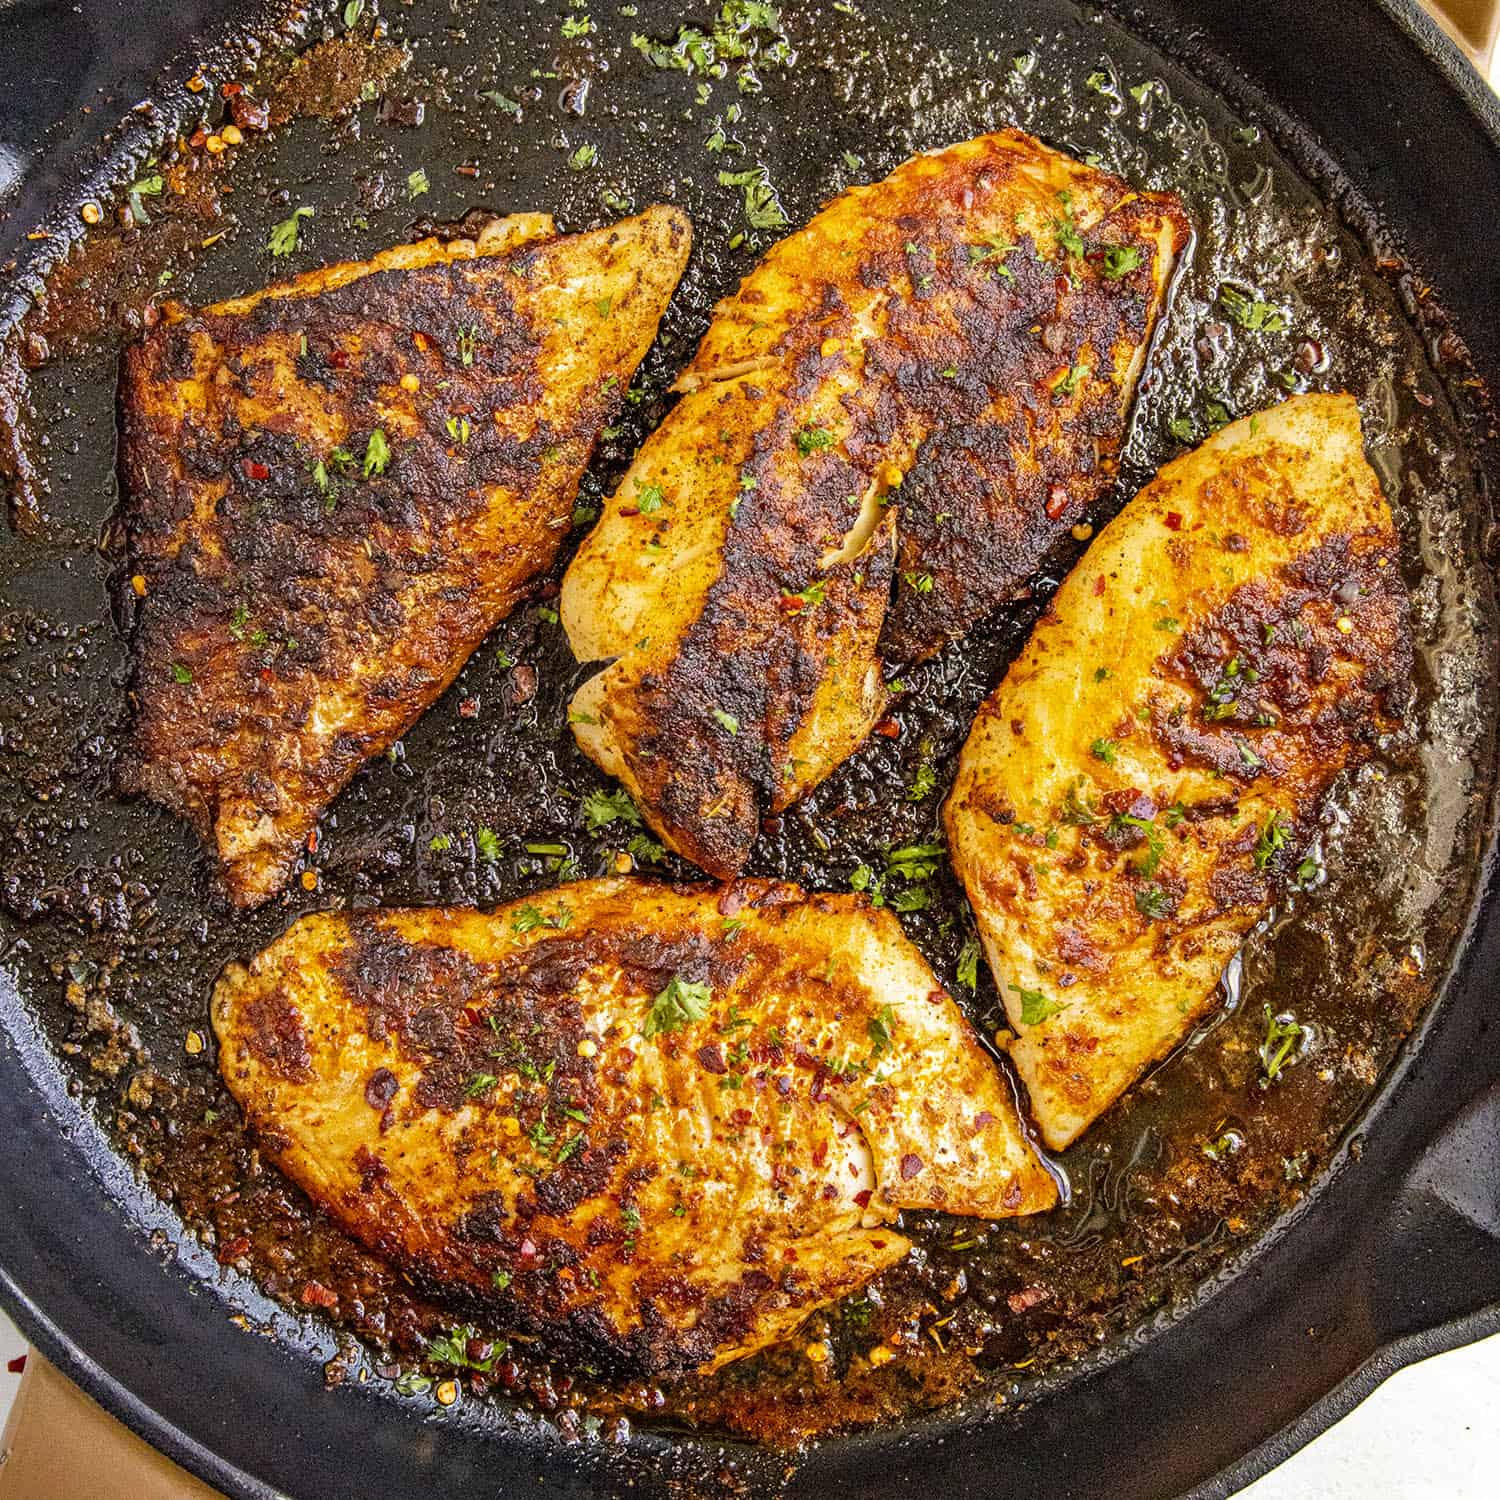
point(254, 469)
point(862, 1197)
point(1057, 501)
point(16, 1365)
point(315, 1294)
point(1174, 520)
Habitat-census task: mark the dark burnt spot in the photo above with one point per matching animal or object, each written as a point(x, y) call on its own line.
point(484, 1222)
point(276, 1035)
point(381, 1088)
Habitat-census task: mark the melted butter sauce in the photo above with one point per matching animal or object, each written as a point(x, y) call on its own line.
point(106, 922)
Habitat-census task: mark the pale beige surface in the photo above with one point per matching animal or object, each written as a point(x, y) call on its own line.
point(60, 1443)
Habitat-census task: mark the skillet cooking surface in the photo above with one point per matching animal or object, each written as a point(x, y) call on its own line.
point(109, 933)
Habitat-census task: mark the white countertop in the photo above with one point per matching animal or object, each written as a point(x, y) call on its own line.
point(1431, 1432)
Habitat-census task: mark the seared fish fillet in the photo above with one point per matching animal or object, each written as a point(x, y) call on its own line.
point(883, 431)
point(339, 484)
point(1148, 775)
point(660, 1125)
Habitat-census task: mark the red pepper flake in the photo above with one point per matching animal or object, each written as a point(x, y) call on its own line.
point(253, 469)
point(16, 1365)
point(712, 1058)
point(315, 1294)
point(339, 359)
point(1174, 520)
point(863, 1197)
point(229, 90)
point(1057, 501)
point(467, 169)
point(630, 510)
point(1099, 585)
point(911, 1164)
point(740, 1118)
point(888, 729)
point(231, 1250)
point(312, 842)
point(820, 1153)
point(469, 708)
point(1027, 1297)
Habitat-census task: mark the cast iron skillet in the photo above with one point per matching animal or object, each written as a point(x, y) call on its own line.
point(1395, 1256)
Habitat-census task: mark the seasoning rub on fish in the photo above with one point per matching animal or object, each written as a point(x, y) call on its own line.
point(339, 484)
point(1147, 779)
point(658, 1125)
point(884, 431)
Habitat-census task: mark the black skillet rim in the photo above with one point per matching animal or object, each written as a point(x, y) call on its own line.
point(1388, 1356)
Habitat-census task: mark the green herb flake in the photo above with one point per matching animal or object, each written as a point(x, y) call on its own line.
point(417, 183)
point(584, 157)
point(1249, 311)
point(1283, 1033)
point(810, 439)
point(726, 721)
point(968, 964)
point(1103, 749)
point(1121, 260)
point(600, 809)
point(181, 673)
point(283, 237)
point(377, 454)
point(1272, 840)
point(1036, 1007)
point(682, 1003)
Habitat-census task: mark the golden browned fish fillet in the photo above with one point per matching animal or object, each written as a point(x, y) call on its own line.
point(661, 1125)
point(337, 486)
point(884, 430)
point(1148, 776)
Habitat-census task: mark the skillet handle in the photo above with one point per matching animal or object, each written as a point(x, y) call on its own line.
point(1473, 24)
point(1437, 1256)
point(58, 1442)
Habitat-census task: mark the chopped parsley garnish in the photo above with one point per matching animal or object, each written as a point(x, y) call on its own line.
point(731, 926)
point(143, 187)
point(881, 1029)
point(1308, 872)
point(1272, 840)
point(1121, 260)
point(238, 620)
point(1181, 428)
point(527, 919)
point(1103, 749)
point(480, 1083)
point(600, 809)
point(458, 429)
point(283, 239)
point(645, 850)
point(914, 861)
point(1067, 382)
point(810, 439)
point(377, 454)
point(921, 582)
point(584, 157)
point(649, 498)
point(922, 783)
point(1153, 902)
point(453, 1349)
point(683, 1002)
point(439, 842)
point(576, 26)
point(1249, 311)
point(865, 879)
point(417, 183)
point(913, 898)
point(1076, 808)
point(502, 101)
point(725, 721)
point(468, 342)
point(487, 844)
point(1066, 229)
point(968, 964)
point(1282, 1035)
point(763, 209)
point(993, 253)
point(1036, 1007)
point(181, 673)
point(813, 594)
